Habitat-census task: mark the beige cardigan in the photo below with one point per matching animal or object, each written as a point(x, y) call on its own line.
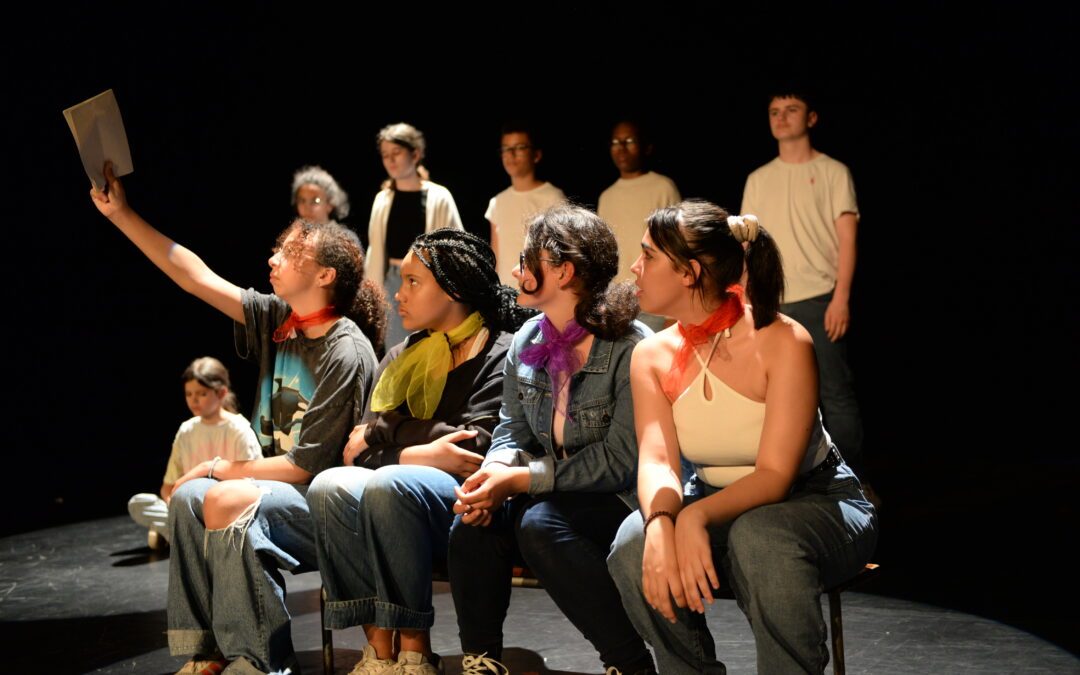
point(440, 212)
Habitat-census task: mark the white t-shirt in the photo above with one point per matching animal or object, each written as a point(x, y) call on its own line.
point(196, 441)
point(509, 211)
point(626, 207)
point(799, 204)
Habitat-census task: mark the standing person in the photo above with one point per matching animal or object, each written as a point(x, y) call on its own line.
point(559, 477)
point(732, 387)
point(626, 205)
point(216, 430)
point(807, 200)
point(234, 525)
point(317, 197)
point(381, 524)
point(509, 211)
point(408, 205)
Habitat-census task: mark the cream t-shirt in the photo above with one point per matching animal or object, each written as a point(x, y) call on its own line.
point(510, 211)
point(626, 207)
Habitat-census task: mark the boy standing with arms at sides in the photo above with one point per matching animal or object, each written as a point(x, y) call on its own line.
point(527, 196)
point(627, 204)
point(806, 199)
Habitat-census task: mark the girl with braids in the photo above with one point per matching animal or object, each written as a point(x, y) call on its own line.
point(234, 524)
point(384, 516)
point(408, 204)
point(732, 387)
point(559, 477)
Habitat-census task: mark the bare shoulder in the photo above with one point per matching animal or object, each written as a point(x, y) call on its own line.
point(785, 338)
point(655, 350)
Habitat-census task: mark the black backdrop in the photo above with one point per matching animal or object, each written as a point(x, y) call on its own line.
point(960, 131)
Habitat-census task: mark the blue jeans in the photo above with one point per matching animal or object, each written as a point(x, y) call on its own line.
point(395, 331)
point(226, 589)
point(777, 559)
point(378, 532)
point(564, 538)
point(836, 384)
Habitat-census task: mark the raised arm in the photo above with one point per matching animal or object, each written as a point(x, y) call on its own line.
point(178, 263)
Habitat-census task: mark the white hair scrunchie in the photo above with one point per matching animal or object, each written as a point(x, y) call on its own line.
point(744, 228)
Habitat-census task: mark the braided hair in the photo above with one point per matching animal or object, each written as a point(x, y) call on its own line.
point(463, 264)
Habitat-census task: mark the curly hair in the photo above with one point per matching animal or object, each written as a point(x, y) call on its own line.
point(463, 264)
point(576, 235)
point(700, 230)
point(338, 247)
point(321, 178)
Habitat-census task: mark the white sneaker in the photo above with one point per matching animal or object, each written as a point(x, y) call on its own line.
point(371, 664)
point(472, 664)
point(156, 541)
point(415, 663)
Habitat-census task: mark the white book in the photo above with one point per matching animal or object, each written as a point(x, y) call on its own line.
point(99, 134)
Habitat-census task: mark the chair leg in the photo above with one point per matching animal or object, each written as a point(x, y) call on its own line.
point(836, 624)
point(327, 636)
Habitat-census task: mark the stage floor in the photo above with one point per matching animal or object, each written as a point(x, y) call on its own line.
point(90, 597)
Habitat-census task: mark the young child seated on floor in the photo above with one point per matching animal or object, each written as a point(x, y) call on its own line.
point(216, 430)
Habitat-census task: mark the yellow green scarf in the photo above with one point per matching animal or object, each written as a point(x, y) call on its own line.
point(418, 374)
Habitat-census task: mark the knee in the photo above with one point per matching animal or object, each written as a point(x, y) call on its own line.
point(624, 560)
point(333, 488)
point(763, 548)
point(534, 531)
point(225, 502)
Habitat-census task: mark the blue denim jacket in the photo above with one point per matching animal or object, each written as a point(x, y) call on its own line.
point(599, 437)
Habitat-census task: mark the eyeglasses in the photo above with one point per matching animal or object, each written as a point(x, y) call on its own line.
point(515, 150)
point(521, 261)
point(314, 201)
point(624, 142)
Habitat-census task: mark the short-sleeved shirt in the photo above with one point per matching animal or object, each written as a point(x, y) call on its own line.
point(312, 391)
point(626, 207)
point(196, 441)
point(509, 211)
point(799, 204)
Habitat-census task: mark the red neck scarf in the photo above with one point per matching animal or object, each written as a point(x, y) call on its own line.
point(296, 322)
point(725, 316)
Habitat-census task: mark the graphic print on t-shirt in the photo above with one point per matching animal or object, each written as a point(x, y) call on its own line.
point(283, 401)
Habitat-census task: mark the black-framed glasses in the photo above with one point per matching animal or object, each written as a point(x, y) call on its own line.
point(515, 150)
point(521, 261)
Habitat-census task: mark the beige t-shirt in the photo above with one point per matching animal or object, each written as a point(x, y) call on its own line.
point(799, 204)
point(626, 207)
point(509, 211)
point(196, 441)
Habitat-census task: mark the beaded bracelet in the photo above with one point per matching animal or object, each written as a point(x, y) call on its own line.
point(656, 514)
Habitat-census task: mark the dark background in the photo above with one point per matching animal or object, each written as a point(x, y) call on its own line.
point(961, 133)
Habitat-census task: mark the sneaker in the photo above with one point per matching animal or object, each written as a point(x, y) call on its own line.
point(371, 664)
point(472, 664)
point(203, 666)
point(156, 541)
point(415, 663)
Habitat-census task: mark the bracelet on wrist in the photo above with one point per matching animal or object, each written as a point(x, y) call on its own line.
point(213, 463)
point(657, 514)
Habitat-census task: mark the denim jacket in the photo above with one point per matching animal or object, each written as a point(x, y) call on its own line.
point(599, 437)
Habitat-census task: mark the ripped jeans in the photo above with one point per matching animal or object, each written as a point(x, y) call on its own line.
point(226, 588)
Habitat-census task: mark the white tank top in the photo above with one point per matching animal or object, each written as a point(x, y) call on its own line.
point(720, 437)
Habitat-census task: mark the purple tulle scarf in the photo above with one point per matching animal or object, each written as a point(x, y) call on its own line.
point(556, 353)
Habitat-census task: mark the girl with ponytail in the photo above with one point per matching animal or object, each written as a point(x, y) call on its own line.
point(559, 477)
point(732, 388)
point(383, 517)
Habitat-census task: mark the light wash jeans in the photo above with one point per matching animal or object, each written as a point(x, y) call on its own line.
point(836, 384)
point(150, 511)
point(378, 532)
point(226, 589)
point(395, 331)
point(777, 559)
